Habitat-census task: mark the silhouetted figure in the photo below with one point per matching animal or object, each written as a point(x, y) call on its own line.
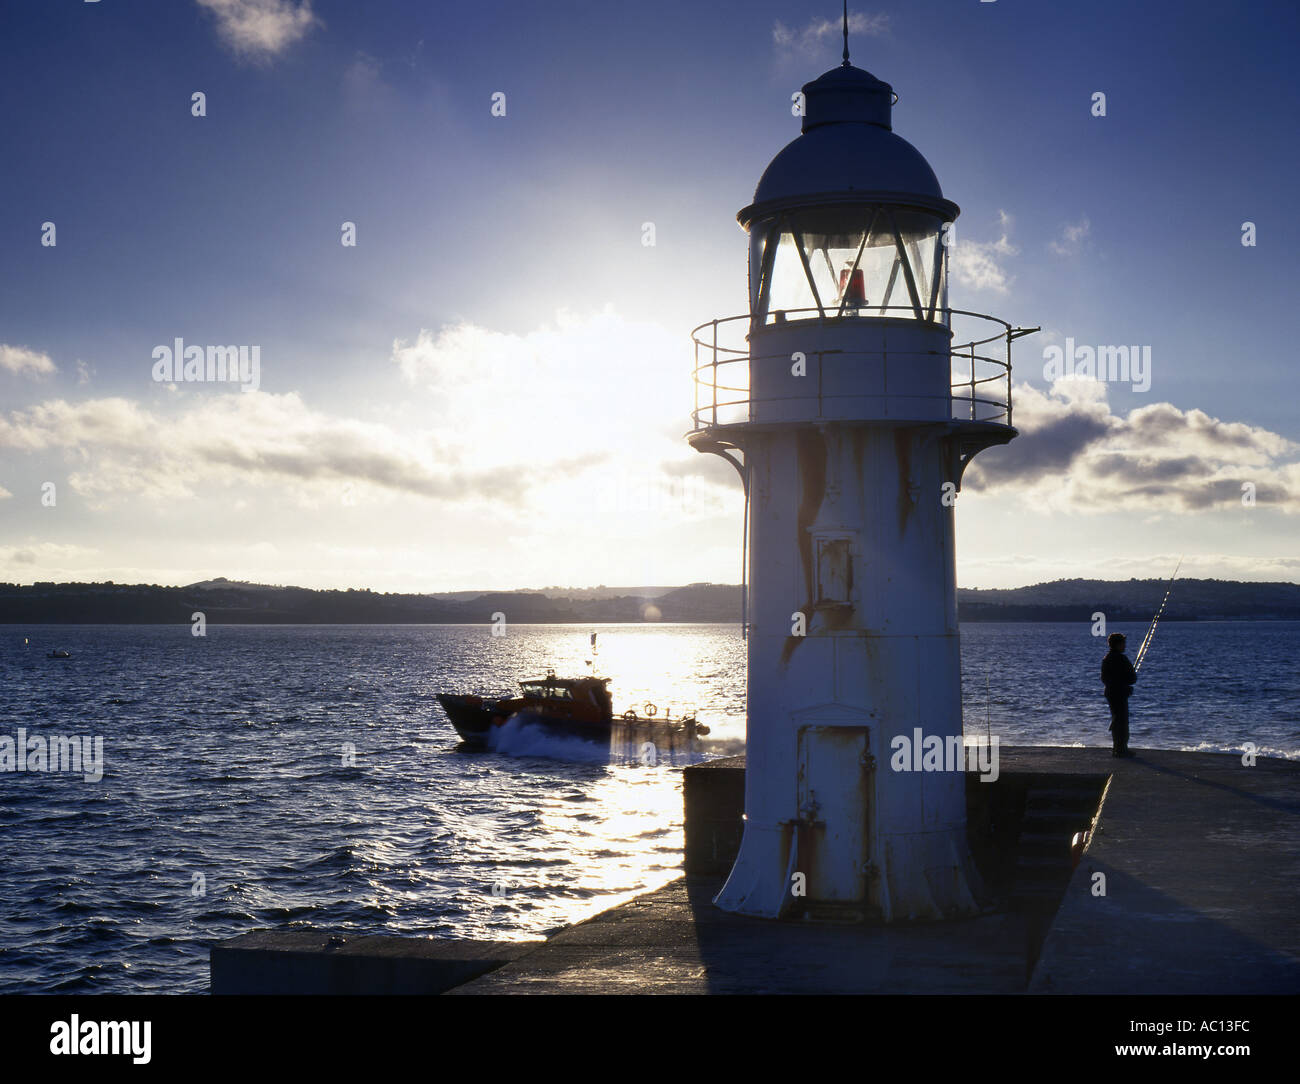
point(1119, 677)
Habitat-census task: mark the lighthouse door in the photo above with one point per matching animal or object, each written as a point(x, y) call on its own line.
point(833, 805)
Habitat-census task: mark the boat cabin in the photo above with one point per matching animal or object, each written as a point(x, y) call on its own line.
point(577, 695)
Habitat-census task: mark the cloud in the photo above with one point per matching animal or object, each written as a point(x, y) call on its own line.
point(117, 447)
point(363, 73)
point(584, 389)
point(812, 39)
point(1075, 454)
point(4, 494)
point(584, 412)
point(585, 383)
point(978, 264)
point(364, 89)
point(260, 29)
point(54, 559)
point(25, 361)
point(1071, 239)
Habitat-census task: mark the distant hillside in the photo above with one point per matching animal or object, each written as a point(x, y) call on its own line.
point(1132, 600)
point(226, 602)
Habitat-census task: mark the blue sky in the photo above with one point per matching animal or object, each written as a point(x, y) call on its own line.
point(490, 388)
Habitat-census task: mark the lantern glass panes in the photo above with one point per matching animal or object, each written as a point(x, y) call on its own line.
point(790, 292)
point(848, 261)
point(758, 238)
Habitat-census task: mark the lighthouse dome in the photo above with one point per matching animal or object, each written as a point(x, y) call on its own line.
point(847, 152)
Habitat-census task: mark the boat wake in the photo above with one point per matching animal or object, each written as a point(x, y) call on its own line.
point(518, 737)
point(521, 736)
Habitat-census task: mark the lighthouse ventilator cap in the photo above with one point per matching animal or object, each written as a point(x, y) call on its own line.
point(847, 152)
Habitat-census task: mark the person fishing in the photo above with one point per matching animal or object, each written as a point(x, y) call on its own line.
point(1119, 677)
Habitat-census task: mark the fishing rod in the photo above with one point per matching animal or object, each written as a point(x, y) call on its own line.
point(1146, 640)
point(988, 711)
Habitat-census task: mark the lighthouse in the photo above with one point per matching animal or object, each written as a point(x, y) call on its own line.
point(851, 397)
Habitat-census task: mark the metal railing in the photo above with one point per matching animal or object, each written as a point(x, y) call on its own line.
point(980, 383)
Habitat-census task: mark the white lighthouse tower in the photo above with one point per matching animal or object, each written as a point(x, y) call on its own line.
point(850, 413)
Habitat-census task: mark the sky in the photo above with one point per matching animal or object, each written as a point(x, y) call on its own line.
point(491, 387)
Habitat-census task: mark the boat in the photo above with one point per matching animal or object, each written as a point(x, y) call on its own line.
point(578, 707)
point(59, 654)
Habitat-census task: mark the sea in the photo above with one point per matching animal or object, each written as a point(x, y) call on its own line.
point(291, 776)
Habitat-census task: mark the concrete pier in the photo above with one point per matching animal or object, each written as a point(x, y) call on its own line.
point(1200, 856)
point(1201, 860)
point(312, 962)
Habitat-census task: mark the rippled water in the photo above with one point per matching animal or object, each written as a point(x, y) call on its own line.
point(226, 804)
